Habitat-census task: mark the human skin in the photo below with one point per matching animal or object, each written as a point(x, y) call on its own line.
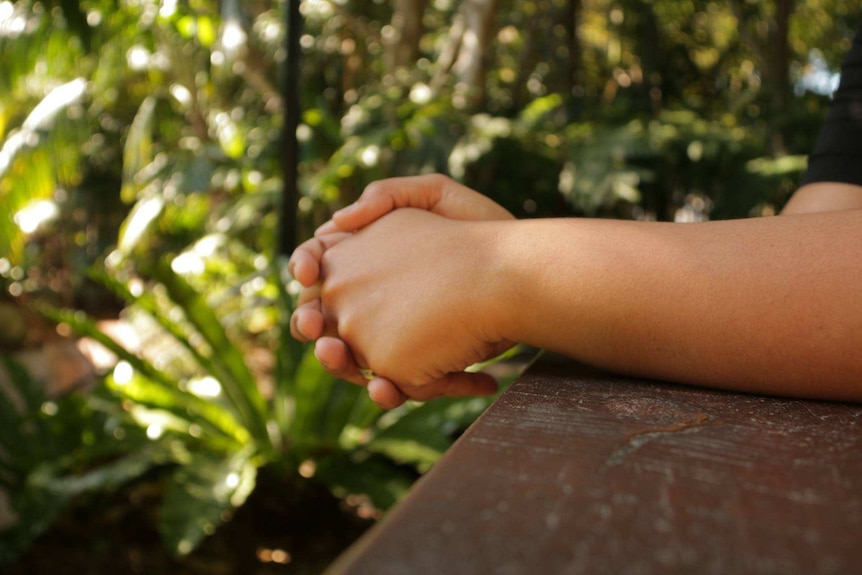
point(434, 193)
point(767, 305)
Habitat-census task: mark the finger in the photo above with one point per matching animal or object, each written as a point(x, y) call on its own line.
point(335, 357)
point(458, 384)
point(462, 384)
point(385, 393)
point(432, 192)
point(308, 294)
point(304, 264)
point(306, 323)
point(381, 197)
point(329, 227)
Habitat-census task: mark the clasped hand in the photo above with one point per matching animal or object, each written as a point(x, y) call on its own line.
point(403, 294)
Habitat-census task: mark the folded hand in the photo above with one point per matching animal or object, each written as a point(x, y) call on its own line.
point(434, 193)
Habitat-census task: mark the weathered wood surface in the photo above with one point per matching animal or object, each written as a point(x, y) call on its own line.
point(575, 471)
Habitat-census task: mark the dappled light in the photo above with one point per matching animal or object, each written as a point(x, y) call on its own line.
point(279, 556)
point(148, 380)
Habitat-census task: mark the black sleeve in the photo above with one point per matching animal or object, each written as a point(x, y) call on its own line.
point(837, 155)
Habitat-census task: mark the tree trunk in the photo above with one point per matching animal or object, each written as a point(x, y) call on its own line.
point(575, 75)
point(779, 73)
point(288, 233)
point(471, 65)
point(650, 87)
point(407, 24)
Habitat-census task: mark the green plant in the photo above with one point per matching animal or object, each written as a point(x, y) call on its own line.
point(202, 408)
point(193, 171)
point(52, 450)
point(622, 108)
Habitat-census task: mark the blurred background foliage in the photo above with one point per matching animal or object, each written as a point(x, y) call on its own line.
point(141, 175)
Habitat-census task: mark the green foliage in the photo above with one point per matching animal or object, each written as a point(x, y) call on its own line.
point(180, 115)
point(195, 397)
point(155, 127)
point(53, 450)
point(33, 163)
point(198, 495)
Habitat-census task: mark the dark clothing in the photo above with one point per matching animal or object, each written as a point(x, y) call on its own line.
point(837, 155)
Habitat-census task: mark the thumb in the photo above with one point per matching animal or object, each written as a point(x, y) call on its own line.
point(432, 192)
point(367, 209)
point(388, 395)
point(385, 393)
point(381, 197)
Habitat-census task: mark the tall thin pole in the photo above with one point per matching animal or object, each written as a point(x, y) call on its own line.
point(289, 144)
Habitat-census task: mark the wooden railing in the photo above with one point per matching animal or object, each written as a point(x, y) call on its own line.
point(577, 471)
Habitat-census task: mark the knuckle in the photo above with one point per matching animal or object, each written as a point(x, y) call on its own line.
point(373, 189)
point(319, 248)
point(305, 249)
point(439, 179)
point(338, 257)
point(307, 295)
point(347, 328)
point(327, 261)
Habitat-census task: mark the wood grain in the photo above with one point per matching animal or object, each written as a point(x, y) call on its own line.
point(576, 471)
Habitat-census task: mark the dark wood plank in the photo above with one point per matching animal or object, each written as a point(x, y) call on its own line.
point(575, 471)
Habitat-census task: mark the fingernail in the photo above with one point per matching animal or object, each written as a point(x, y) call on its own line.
point(299, 329)
point(321, 362)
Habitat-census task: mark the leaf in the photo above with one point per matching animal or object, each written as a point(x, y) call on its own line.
point(31, 392)
point(85, 326)
point(312, 385)
point(138, 151)
point(57, 100)
point(327, 413)
point(32, 160)
point(52, 451)
point(50, 478)
point(34, 511)
point(237, 381)
point(48, 491)
point(206, 31)
point(143, 214)
point(198, 495)
point(14, 405)
point(157, 388)
point(288, 355)
point(217, 425)
point(364, 413)
point(196, 409)
point(422, 435)
point(384, 483)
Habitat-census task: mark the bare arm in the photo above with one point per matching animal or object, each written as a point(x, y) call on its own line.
point(824, 197)
point(770, 305)
point(755, 304)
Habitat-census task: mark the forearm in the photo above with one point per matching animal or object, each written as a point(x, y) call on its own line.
point(824, 197)
point(767, 305)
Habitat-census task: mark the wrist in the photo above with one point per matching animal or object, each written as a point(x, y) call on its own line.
point(551, 280)
point(508, 265)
